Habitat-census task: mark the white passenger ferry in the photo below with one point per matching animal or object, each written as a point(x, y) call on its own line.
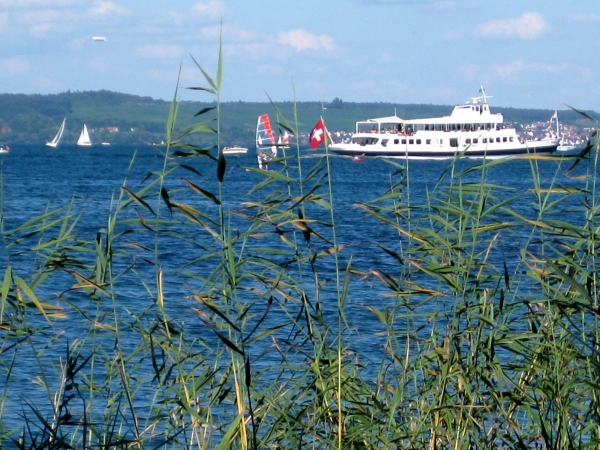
point(471, 131)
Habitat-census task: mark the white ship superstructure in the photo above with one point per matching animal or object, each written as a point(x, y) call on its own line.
point(472, 130)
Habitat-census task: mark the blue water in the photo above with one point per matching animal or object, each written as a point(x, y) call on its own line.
point(36, 179)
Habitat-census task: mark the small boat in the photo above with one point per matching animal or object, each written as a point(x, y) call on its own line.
point(4, 148)
point(54, 142)
point(234, 150)
point(471, 131)
point(266, 149)
point(105, 143)
point(358, 158)
point(563, 144)
point(84, 138)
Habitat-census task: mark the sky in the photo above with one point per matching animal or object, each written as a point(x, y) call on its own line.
point(525, 53)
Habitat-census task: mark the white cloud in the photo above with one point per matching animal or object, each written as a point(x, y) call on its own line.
point(529, 26)
point(14, 67)
point(39, 18)
point(211, 10)
point(303, 40)
point(514, 69)
point(106, 8)
point(36, 22)
point(522, 70)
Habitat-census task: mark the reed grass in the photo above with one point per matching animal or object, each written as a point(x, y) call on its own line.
point(481, 347)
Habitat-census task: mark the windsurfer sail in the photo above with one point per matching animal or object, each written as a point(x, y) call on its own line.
point(265, 142)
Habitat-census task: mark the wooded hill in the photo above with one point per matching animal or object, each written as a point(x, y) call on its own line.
point(34, 119)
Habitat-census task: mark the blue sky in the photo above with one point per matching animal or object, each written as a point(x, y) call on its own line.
point(526, 53)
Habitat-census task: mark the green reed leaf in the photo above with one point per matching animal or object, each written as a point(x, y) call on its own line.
point(215, 88)
point(227, 442)
point(272, 175)
point(201, 191)
point(581, 156)
point(261, 320)
point(142, 222)
point(31, 295)
point(204, 111)
point(191, 169)
point(220, 62)
point(211, 91)
point(44, 227)
point(381, 316)
point(6, 283)
point(388, 281)
point(302, 225)
point(581, 289)
point(216, 311)
point(85, 282)
point(223, 338)
point(138, 200)
point(248, 373)
point(267, 332)
point(172, 119)
point(330, 251)
point(392, 253)
point(165, 196)
point(583, 113)
point(30, 223)
point(221, 167)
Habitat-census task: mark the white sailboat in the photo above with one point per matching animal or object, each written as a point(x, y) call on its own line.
point(84, 138)
point(563, 145)
point(54, 142)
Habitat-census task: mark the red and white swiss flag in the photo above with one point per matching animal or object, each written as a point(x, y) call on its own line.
point(317, 135)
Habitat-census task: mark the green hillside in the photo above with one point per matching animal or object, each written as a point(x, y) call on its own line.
point(34, 119)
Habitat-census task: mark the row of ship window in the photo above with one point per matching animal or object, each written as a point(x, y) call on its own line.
point(411, 128)
point(458, 127)
point(453, 141)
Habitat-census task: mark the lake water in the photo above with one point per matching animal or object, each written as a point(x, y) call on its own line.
point(36, 179)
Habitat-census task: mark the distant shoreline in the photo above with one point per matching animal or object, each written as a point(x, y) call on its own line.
point(35, 118)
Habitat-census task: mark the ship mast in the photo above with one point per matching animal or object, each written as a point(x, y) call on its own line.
point(482, 90)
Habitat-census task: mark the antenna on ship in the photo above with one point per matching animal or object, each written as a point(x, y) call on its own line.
point(482, 90)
